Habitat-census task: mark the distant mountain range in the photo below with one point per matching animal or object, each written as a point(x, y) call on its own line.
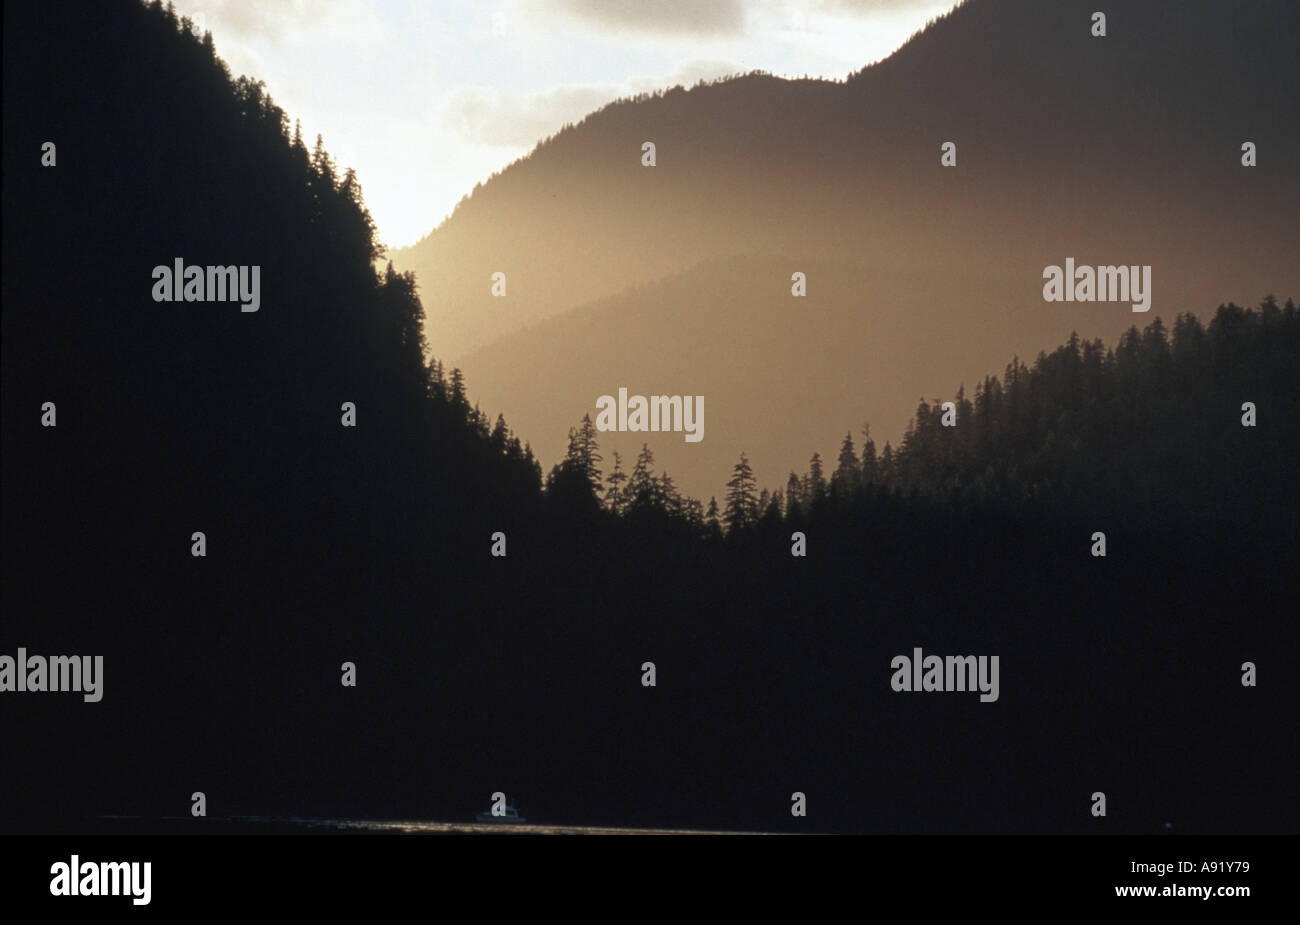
point(676, 279)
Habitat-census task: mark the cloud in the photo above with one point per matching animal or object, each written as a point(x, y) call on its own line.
point(869, 7)
point(486, 116)
point(674, 17)
point(718, 17)
point(288, 19)
point(483, 115)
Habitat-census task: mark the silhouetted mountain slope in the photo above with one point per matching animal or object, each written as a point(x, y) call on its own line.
point(1161, 428)
point(182, 416)
point(984, 536)
point(1122, 149)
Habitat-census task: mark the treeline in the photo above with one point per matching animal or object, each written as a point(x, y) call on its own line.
point(1195, 423)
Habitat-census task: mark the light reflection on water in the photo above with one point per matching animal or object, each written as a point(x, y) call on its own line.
point(501, 828)
point(290, 824)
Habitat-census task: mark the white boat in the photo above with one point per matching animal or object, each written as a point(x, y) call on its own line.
point(511, 816)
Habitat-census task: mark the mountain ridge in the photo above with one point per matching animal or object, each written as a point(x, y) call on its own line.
point(1116, 150)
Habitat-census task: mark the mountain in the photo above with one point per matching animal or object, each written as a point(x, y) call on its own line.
point(371, 552)
point(133, 425)
point(1123, 149)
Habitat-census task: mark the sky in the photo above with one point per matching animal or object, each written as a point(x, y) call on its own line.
point(426, 99)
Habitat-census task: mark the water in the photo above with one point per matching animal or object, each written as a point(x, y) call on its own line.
point(294, 825)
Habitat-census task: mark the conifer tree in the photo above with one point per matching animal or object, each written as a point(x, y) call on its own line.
point(742, 497)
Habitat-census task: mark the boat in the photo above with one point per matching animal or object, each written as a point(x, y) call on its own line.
point(511, 816)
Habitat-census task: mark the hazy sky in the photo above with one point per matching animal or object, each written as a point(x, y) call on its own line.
point(425, 99)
